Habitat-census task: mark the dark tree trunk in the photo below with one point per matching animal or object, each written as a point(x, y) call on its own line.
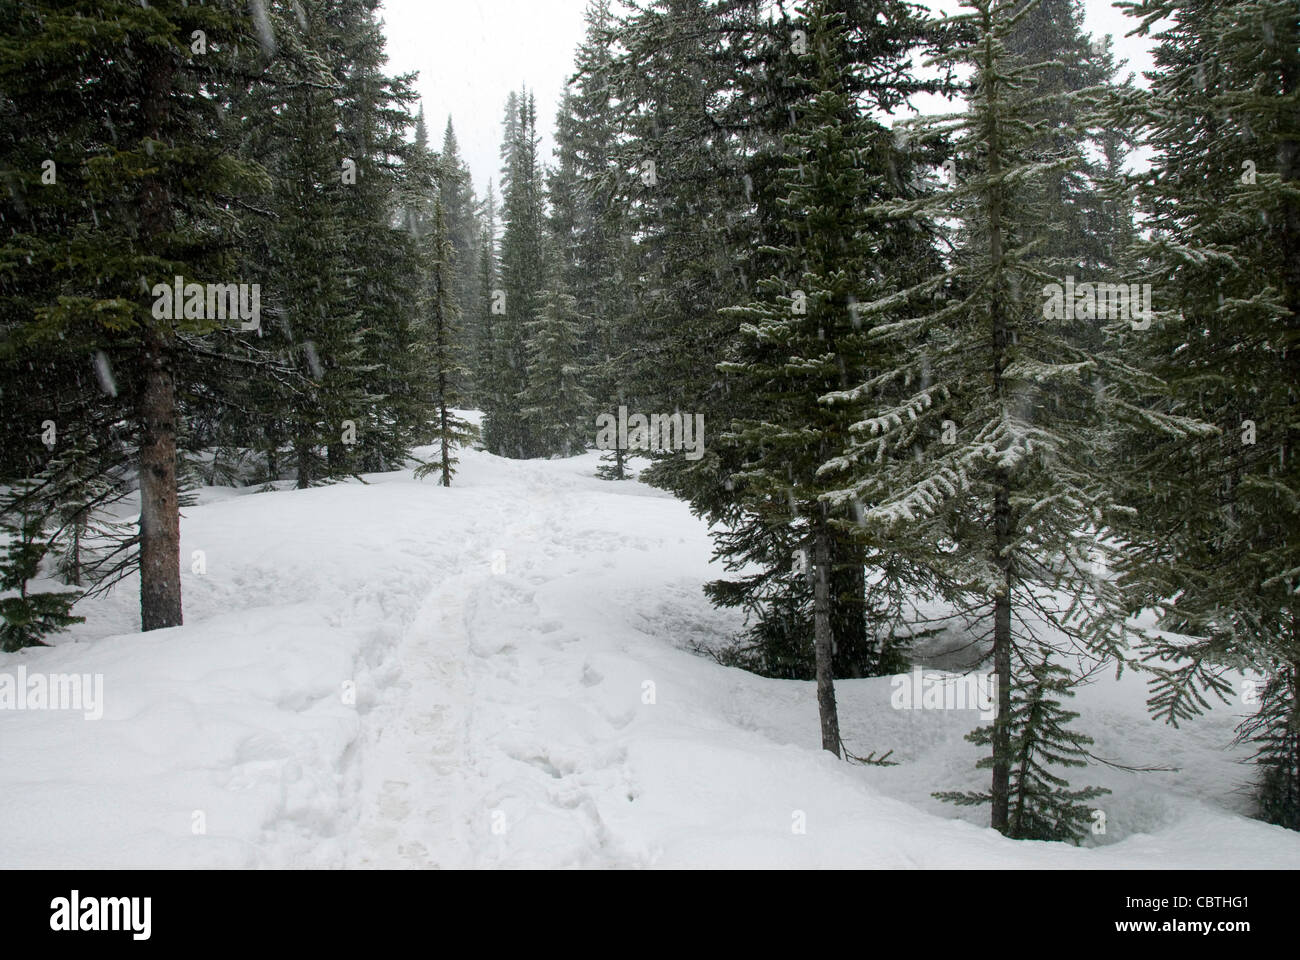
point(1000, 789)
point(822, 638)
point(303, 454)
point(160, 526)
point(445, 440)
point(853, 655)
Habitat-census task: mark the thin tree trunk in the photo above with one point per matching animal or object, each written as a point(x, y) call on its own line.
point(160, 526)
point(303, 452)
point(822, 637)
point(852, 654)
point(1000, 789)
point(446, 441)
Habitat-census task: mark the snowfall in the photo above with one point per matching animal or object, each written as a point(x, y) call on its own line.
point(508, 673)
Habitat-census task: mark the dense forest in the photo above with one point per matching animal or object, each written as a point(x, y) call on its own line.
point(1034, 359)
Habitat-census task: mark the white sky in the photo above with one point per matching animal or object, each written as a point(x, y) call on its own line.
point(471, 53)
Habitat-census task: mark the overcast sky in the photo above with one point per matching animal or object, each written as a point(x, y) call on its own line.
point(471, 53)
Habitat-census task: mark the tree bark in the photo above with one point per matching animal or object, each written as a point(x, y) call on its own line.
point(822, 637)
point(445, 440)
point(852, 653)
point(302, 451)
point(160, 525)
point(1000, 789)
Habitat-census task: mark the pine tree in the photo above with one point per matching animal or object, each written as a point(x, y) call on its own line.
point(391, 385)
point(1002, 487)
point(556, 405)
point(505, 432)
point(590, 227)
point(1214, 544)
point(27, 618)
point(482, 313)
point(444, 331)
point(1082, 231)
point(730, 158)
point(1042, 804)
point(141, 193)
point(803, 342)
point(459, 206)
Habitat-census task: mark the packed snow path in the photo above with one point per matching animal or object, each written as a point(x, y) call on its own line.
point(400, 675)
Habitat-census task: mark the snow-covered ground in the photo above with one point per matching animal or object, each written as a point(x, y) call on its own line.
point(394, 674)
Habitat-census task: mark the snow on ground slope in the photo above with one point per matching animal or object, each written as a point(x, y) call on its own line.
point(393, 674)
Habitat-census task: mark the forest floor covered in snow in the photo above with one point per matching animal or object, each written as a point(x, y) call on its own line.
point(394, 674)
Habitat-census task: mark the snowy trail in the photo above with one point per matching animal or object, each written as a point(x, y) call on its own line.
point(539, 713)
point(466, 647)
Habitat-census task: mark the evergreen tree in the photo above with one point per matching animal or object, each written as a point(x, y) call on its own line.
point(392, 384)
point(27, 618)
point(459, 206)
point(141, 192)
point(444, 331)
point(802, 343)
point(1082, 231)
point(1042, 804)
point(505, 431)
point(556, 405)
point(1214, 546)
point(482, 313)
point(1002, 488)
point(590, 226)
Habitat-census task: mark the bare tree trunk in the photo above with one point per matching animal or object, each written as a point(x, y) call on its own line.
point(822, 637)
point(852, 653)
point(445, 440)
point(160, 525)
point(303, 453)
point(74, 563)
point(160, 522)
point(1001, 787)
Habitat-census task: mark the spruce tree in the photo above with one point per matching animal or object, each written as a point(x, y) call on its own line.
point(725, 152)
point(1002, 485)
point(483, 306)
point(443, 330)
point(27, 618)
point(1214, 547)
point(460, 208)
point(1043, 805)
point(803, 342)
point(505, 431)
point(556, 406)
point(590, 227)
point(140, 193)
